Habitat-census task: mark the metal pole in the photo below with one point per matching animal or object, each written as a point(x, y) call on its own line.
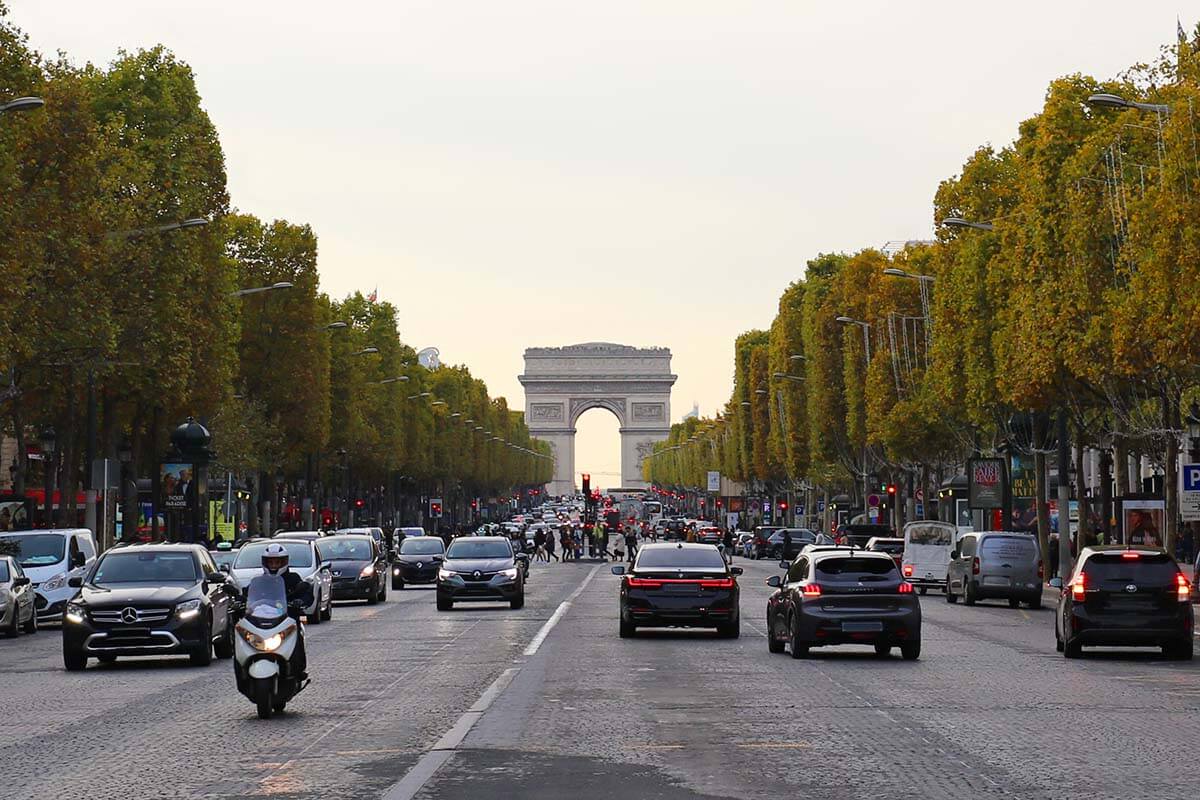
point(1064, 500)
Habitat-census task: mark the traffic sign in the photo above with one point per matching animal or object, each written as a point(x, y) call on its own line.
point(714, 481)
point(873, 500)
point(873, 513)
point(920, 495)
point(1189, 498)
point(1191, 477)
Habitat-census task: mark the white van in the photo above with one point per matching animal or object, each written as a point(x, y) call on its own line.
point(49, 558)
point(927, 548)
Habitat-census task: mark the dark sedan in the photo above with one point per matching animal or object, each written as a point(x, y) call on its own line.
point(481, 568)
point(357, 566)
point(786, 543)
point(417, 560)
point(843, 597)
point(145, 600)
point(1125, 597)
point(679, 585)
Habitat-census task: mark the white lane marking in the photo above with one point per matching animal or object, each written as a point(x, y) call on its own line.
point(445, 747)
point(558, 613)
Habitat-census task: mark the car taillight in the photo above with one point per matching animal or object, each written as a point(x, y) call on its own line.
point(644, 583)
point(908, 570)
point(1079, 588)
point(812, 590)
point(905, 588)
point(717, 583)
point(1183, 589)
point(1131, 554)
point(975, 565)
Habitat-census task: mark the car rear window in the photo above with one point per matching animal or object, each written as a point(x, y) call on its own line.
point(680, 558)
point(1009, 547)
point(929, 534)
point(851, 568)
point(1156, 569)
point(888, 547)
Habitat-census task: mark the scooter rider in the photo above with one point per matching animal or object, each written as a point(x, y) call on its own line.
point(299, 597)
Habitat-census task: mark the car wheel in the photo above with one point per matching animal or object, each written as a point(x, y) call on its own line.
point(315, 617)
point(730, 630)
point(397, 584)
point(798, 650)
point(13, 629)
point(202, 655)
point(950, 596)
point(1035, 602)
point(31, 626)
point(74, 661)
point(327, 614)
point(911, 650)
point(372, 598)
point(518, 601)
point(224, 646)
point(968, 594)
point(924, 589)
point(1179, 651)
point(1014, 602)
point(444, 604)
point(883, 650)
point(1072, 649)
point(628, 629)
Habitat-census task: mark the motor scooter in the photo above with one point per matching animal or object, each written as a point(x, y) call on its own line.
point(266, 639)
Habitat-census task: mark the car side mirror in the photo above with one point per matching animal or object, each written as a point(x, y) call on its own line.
point(619, 569)
point(223, 568)
point(1056, 582)
point(439, 558)
point(75, 581)
point(775, 581)
point(954, 555)
point(217, 577)
point(735, 570)
point(21, 582)
point(78, 559)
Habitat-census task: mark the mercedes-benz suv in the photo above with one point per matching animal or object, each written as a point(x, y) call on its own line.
point(153, 599)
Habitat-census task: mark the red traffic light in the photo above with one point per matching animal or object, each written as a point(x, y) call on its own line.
point(719, 502)
point(359, 502)
point(891, 488)
point(783, 505)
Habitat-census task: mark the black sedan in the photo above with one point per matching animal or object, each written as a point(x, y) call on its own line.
point(835, 597)
point(680, 586)
point(481, 568)
point(1125, 597)
point(357, 566)
point(417, 560)
point(152, 599)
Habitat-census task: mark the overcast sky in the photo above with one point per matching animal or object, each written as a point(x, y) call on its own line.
point(515, 173)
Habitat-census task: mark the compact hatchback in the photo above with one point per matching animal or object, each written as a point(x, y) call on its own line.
point(679, 585)
point(843, 596)
point(417, 560)
point(1125, 597)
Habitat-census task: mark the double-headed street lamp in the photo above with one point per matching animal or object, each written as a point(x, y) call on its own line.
point(22, 104)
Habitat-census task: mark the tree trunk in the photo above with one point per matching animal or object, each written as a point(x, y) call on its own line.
point(1043, 509)
point(22, 450)
point(1120, 464)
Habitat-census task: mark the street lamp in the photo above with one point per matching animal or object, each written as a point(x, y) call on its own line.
point(194, 222)
point(899, 273)
point(438, 403)
point(388, 380)
point(274, 287)
point(366, 351)
point(49, 441)
point(1193, 426)
point(335, 326)
point(959, 222)
point(796, 357)
point(22, 104)
point(1108, 100)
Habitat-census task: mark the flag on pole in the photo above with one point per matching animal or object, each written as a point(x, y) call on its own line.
point(374, 295)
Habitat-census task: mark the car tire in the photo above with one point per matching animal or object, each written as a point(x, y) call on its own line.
point(74, 661)
point(911, 650)
point(518, 601)
point(798, 650)
point(730, 630)
point(1035, 602)
point(31, 626)
point(202, 655)
point(968, 594)
point(951, 597)
point(327, 614)
point(372, 598)
point(223, 648)
point(444, 605)
point(1178, 651)
point(13, 630)
point(397, 584)
point(1014, 602)
point(774, 644)
point(315, 617)
point(1072, 649)
point(628, 629)
point(883, 650)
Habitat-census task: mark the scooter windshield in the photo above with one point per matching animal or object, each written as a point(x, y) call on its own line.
point(266, 599)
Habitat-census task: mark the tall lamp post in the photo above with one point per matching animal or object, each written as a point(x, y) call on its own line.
point(866, 329)
point(49, 442)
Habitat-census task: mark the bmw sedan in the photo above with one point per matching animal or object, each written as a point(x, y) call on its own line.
point(843, 596)
point(679, 585)
point(480, 568)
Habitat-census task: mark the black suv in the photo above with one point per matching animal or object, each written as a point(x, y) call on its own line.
point(481, 568)
point(1125, 596)
point(152, 599)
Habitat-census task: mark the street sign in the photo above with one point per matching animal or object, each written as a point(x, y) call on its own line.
point(873, 500)
point(920, 510)
point(1191, 477)
point(1189, 498)
point(920, 495)
point(873, 513)
point(714, 481)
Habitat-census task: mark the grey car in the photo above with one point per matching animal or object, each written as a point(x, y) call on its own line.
point(16, 599)
point(996, 564)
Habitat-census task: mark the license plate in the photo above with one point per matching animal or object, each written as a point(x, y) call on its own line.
point(862, 627)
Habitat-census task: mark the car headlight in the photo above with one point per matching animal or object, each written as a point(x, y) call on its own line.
point(57, 582)
point(510, 573)
point(446, 574)
point(188, 609)
point(75, 613)
point(367, 571)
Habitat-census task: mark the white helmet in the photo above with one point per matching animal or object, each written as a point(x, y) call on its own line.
point(275, 558)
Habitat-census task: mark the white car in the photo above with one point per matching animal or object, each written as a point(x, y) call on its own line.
point(304, 560)
point(50, 558)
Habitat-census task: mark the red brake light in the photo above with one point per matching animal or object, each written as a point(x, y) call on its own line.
point(1183, 589)
point(975, 565)
point(1079, 588)
point(905, 588)
point(1131, 554)
point(644, 583)
point(812, 590)
point(908, 570)
point(717, 583)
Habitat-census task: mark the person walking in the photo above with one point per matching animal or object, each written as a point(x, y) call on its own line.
point(550, 545)
point(729, 545)
point(539, 544)
point(631, 543)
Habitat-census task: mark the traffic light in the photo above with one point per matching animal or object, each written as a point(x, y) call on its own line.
point(783, 505)
point(891, 490)
point(474, 505)
point(435, 508)
point(587, 484)
point(359, 502)
point(719, 503)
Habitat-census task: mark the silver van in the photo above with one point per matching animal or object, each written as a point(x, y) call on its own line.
point(996, 564)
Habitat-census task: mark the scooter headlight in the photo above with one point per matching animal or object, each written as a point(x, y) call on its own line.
point(268, 644)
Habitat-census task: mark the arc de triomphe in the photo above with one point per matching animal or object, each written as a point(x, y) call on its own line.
point(563, 382)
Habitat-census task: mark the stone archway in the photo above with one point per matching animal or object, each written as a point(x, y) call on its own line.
point(561, 383)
